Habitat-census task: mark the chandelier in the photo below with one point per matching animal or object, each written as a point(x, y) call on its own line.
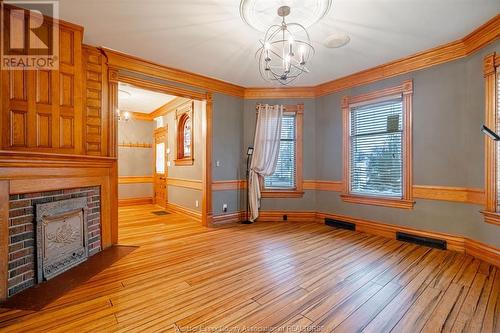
point(285, 51)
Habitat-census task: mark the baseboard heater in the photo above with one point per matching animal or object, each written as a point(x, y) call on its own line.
point(340, 224)
point(420, 240)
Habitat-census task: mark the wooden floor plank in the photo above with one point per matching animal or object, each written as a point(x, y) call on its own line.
point(273, 277)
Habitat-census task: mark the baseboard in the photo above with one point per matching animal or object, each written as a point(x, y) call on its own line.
point(466, 245)
point(483, 251)
point(228, 218)
point(275, 216)
point(184, 211)
point(134, 202)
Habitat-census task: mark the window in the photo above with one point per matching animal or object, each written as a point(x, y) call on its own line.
point(287, 178)
point(491, 68)
point(377, 148)
point(160, 158)
point(376, 158)
point(284, 176)
point(185, 138)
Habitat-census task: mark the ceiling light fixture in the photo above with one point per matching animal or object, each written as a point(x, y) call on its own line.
point(285, 51)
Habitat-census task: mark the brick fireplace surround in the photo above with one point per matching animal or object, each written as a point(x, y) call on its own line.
point(22, 243)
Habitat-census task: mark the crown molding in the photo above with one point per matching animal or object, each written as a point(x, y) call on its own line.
point(119, 60)
point(482, 36)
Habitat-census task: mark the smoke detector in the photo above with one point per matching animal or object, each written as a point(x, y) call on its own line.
point(336, 40)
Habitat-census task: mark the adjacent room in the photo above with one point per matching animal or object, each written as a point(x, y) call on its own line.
point(251, 165)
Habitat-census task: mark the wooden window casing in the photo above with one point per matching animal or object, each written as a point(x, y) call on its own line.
point(297, 191)
point(184, 114)
point(491, 67)
point(405, 90)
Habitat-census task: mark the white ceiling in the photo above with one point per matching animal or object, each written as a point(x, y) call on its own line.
point(209, 37)
point(140, 100)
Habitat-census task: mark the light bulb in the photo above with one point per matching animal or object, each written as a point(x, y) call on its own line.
point(267, 47)
point(302, 51)
point(290, 45)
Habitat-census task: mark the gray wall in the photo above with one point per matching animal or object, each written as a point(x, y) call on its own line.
point(135, 161)
point(181, 196)
point(228, 128)
point(448, 110)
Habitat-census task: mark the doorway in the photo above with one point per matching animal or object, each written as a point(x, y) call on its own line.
point(160, 167)
point(168, 168)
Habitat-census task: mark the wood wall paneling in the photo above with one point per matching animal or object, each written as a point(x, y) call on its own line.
point(94, 130)
point(42, 109)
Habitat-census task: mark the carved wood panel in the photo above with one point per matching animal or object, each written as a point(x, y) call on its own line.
point(94, 114)
point(42, 110)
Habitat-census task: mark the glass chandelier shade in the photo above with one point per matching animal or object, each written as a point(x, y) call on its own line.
point(285, 51)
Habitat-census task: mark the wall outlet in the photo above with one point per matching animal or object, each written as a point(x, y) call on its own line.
point(168, 163)
point(224, 208)
point(197, 203)
point(217, 163)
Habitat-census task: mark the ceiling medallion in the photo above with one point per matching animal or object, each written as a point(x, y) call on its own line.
point(260, 14)
point(285, 50)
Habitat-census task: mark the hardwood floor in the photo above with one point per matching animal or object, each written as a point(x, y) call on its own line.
point(293, 277)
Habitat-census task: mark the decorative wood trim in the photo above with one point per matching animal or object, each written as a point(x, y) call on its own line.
point(378, 201)
point(445, 193)
point(275, 216)
point(184, 211)
point(282, 194)
point(186, 183)
point(24, 159)
point(135, 64)
point(482, 251)
point(427, 192)
point(135, 179)
point(491, 217)
point(323, 185)
point(482, 36)
point(134, 202)
point(229, 185)
point(455, 243)
point(141, 116)
point(219, 220)
point(472, 247)
point(135, 145)
point(4, 237)
point(268, 93)
point(406, 90)
point(169, 107)
point(207, 137)
point(490, 120)
point(184, 113)
point(297, 192)
point(159, 87)
point(479, 38)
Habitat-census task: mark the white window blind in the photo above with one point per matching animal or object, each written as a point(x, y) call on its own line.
point(284, 175)
point(376, 149)
point(497, 130)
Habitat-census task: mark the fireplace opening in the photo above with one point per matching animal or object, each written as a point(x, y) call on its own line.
point(61, 236)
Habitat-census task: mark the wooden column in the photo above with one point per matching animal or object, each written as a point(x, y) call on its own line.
point(206, 214)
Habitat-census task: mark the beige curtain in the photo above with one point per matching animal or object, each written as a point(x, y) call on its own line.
point(265, 154)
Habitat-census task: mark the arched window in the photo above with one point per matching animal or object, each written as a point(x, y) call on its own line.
point(185, 139)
